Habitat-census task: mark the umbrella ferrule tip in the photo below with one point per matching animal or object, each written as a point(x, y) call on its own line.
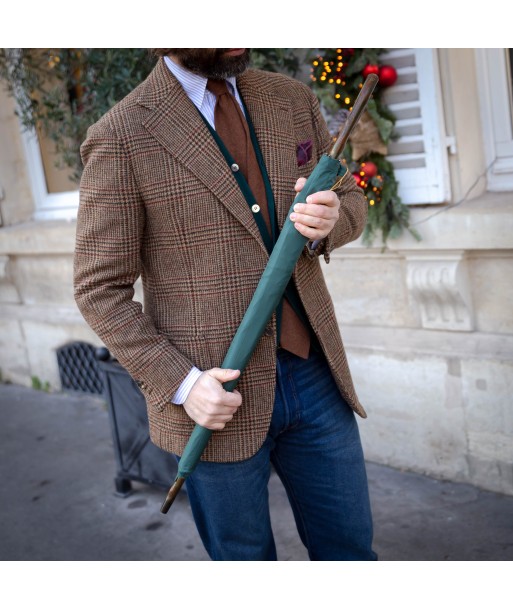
point(171, 496)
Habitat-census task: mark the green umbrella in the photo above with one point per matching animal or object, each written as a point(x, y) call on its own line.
point(272, 284)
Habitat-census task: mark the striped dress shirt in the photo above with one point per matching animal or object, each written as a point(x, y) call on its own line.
point(196, 88)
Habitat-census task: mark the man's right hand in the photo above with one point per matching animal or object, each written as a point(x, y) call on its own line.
point(208, 404)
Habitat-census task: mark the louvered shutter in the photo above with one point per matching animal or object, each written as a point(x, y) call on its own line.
point(419, 154)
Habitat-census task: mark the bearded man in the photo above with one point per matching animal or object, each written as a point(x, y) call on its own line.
point(187, 182)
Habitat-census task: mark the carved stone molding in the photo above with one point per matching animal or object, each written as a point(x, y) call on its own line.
point(439, 287)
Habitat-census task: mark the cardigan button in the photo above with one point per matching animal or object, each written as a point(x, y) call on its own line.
point(255, 208)
point(235, 167)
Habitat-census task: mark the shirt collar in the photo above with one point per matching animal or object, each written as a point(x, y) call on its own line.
point(194, 85)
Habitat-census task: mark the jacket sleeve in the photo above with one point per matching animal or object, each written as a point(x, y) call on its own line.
point(107, 262)
point(353, 203)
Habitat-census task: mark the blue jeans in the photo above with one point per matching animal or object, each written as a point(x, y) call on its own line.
point(314, 445)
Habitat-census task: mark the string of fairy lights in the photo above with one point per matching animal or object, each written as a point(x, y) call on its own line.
point(337, 69)
point(334, 75)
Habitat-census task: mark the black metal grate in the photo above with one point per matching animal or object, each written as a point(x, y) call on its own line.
point(137, 457)
point(78, 368)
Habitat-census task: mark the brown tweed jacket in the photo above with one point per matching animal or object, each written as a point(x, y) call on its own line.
point(157, 199)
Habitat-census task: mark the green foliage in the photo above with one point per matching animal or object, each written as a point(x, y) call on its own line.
point(389, 216)
point(275, 60)
point(39, 385)
point(64, 91)
point(336, 79)
point(383, 119)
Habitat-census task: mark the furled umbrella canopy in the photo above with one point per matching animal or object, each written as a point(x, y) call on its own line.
point(277, 273)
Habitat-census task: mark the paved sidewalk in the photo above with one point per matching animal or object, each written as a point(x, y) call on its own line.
point(57, 469)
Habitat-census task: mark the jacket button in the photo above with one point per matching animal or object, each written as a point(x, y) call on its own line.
point(268, 331)
point(235, 167)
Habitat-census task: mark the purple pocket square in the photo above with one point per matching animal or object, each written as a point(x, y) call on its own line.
point(304, 152)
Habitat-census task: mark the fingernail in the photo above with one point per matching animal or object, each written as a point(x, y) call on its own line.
point(296, 207)
point(308, 199)
point(293, 216)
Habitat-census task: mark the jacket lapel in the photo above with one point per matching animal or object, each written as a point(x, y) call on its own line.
point(176, 124)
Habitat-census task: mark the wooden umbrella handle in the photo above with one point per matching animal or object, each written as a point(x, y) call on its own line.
point(354, 116)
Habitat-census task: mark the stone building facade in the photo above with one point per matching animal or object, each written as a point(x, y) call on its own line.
point(428, 325)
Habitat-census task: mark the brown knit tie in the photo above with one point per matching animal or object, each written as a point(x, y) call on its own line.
point(232, 128)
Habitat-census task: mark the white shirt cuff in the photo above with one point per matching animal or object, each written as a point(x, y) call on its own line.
point(183, 391)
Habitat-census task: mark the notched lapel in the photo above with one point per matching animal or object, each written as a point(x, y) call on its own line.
point(176, 124)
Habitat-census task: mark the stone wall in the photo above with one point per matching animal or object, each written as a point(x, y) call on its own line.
point(428, 325)
point(429, 332)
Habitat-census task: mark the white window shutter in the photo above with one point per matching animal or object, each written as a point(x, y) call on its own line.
point(419, 154)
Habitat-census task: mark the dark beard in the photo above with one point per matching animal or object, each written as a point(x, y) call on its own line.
point(212, 63)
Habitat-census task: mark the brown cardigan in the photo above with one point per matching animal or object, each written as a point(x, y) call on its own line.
point(157, 199)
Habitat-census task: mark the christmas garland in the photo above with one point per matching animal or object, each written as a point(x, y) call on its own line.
point(66, 90)
point(337, 76)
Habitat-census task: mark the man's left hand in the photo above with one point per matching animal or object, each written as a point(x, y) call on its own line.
point(316, 218)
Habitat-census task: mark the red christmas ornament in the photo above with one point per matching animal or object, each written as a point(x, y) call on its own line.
point(387, 76)
point(358, 179)
point(370, 169)
point(370, 69)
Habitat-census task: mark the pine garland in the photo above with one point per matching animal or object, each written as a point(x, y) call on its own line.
point(66, 90)
point(337, 76)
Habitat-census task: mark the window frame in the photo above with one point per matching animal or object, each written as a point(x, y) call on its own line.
point(496, 117)
point(47, 206)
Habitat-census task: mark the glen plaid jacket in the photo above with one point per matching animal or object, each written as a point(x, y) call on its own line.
point(157, 199)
